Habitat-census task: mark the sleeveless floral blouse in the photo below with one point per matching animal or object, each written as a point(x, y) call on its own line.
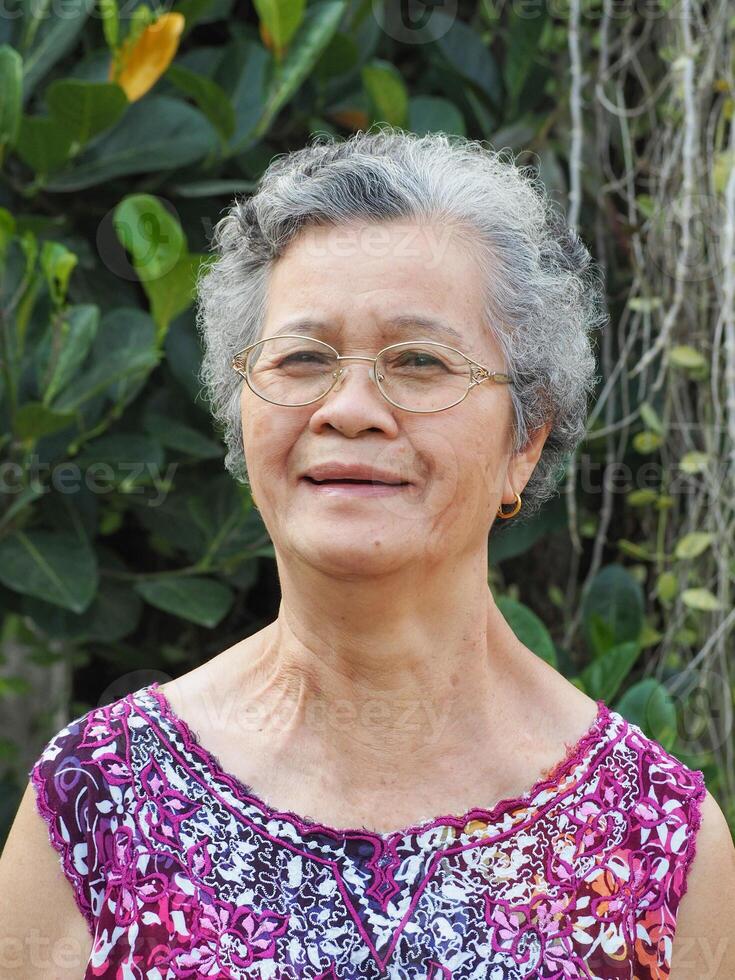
point(180, 870)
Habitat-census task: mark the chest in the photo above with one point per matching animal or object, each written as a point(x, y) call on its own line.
point(265, 897)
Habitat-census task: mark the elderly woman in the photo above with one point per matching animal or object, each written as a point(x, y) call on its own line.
point(384, 782)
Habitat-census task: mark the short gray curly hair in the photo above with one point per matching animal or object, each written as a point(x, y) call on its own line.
point(544, 295)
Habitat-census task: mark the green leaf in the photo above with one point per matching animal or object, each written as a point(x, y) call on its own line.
point(210, 521)
point(158, 247)
point(184, 354)
point(316, 31)
point(57, 264)
point(7, 231)
point(208, 95)
point(26, 496)
point(386, 91)
point(156, 133)
point(649, 706)
point(114, 614)
point(281, 19)
point(125, 349)
point(341, 56)
point(647, 442)
point(604, 676)
point(11, 88)
point(685, 356)
point(173, 292)
point(199, 600)
point(641, 551)
point(650, 417)
point(249, 91)
point(129, 458)
point(701, 599)
point(692, 545)
point(667, 586)
point(61, 356)
point(124, 333)
point(431, 114)
point(521, 54)
point(103, 375)
point(469, 56)
point(48, 36)
point(85, 108)
point(644, 304)
point(35, 420)
point(214, 188)
point(642, 497)
point(183, 438)
point(55, 566)
point(529, 628)
point(43, 143)
point(151, 234)
point(646, 204)
point(612, 609)
point(650, 636)
point(110, 22)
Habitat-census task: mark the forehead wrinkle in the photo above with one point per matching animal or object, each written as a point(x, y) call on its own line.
point(403, 322)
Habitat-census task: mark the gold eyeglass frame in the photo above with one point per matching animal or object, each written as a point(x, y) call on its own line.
point(478, 374)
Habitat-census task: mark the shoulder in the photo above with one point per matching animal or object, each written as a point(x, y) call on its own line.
point(33, 891)
point(705, 935)
point(89, 744)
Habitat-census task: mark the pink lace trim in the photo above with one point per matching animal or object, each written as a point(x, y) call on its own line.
point(696, 819)
point(307, 824)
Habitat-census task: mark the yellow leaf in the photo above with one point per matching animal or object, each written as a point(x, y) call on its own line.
point(694, 462)
point(700, 599)
point(693, 544)
point(143, 62)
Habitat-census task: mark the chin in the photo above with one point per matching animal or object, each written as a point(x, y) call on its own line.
point(340, 554)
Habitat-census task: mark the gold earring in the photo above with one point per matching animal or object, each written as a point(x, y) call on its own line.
point(510, 513)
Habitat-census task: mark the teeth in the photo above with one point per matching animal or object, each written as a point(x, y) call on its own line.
point(350, 480)
point(335, 479)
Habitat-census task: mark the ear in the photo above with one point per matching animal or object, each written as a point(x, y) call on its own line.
point(523, 463)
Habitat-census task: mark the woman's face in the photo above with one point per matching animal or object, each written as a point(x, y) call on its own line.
point(355, 279)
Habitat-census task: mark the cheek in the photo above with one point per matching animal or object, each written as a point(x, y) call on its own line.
point(269, 442)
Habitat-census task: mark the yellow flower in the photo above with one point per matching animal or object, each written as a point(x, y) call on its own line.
point(141, 63)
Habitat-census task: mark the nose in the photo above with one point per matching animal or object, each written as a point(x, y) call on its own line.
point(342, 371)
point(355, 409)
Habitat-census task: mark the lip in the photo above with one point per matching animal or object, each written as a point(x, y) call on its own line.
point(355, 489)
point(353, 471)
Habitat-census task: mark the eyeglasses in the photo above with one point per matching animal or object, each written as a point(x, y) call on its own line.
point(417, 376)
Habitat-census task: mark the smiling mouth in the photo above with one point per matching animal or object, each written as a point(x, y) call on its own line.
point(368, 483)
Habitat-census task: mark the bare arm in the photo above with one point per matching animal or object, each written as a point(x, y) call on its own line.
point(44, 936)
point(704, 941)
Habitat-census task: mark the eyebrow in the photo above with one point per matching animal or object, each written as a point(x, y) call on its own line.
point(404, 321)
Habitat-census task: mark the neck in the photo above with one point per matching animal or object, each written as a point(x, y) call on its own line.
point(366, 672)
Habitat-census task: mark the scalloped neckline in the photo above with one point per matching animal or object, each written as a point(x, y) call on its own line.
point(309, 825)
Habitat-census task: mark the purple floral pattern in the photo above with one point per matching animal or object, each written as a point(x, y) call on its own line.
point(182, 871)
